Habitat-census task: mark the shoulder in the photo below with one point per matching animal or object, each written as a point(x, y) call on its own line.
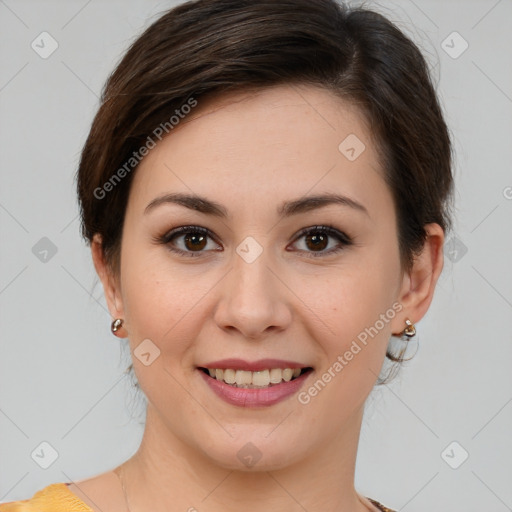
point(378, 505)
point(53, 498)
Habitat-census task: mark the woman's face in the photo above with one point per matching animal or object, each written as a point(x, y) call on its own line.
point(264, 273)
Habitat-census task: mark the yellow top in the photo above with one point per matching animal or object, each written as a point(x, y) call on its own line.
point(58, 498)
point(53, 498)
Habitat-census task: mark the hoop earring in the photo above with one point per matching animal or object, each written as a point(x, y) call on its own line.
point(116, 325)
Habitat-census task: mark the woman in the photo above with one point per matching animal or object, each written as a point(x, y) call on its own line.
point(265, 189)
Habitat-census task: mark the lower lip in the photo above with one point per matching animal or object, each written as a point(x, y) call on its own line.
point(263, 397)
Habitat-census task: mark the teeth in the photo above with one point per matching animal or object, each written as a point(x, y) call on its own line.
point(261, 379)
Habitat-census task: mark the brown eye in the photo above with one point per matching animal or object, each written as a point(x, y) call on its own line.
point(190, 241)
point(195, 241)
point(318, 241)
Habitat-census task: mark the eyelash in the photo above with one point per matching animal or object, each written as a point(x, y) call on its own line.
point(343, 238)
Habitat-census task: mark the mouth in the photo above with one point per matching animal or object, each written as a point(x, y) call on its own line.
point(255, 380)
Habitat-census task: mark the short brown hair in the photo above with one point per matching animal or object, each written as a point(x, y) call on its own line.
point(216, 46)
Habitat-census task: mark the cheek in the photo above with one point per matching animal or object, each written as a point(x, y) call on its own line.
point(159, 301)
point(356, 304)
point(164, 307)
point(353, 299)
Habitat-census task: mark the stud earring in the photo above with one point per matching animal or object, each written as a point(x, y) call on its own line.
point(409, 330)
point(116, 325)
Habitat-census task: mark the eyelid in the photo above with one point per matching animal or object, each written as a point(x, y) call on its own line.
point(326, 228)
point(343, 239)
point(166, 238)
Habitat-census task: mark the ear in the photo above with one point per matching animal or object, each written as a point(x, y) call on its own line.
point(419, 284)
point(110, 282)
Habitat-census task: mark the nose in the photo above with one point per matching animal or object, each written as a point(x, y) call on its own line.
point(253, 300)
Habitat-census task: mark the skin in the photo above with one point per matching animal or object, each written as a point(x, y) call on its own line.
point(249, 152)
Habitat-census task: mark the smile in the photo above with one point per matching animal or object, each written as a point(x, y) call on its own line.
point(254, 380)
point(266, 387)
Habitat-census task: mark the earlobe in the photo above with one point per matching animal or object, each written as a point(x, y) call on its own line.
point(419, 284)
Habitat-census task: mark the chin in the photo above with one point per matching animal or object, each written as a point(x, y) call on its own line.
point(249, 454)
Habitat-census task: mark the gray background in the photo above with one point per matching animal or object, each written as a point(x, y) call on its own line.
point(61, 371)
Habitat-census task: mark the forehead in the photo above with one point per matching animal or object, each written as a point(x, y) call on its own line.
point(265, 143)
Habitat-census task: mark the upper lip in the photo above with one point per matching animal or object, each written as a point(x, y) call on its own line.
point(254, 366)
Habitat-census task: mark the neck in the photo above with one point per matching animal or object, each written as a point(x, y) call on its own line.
point(167, 474)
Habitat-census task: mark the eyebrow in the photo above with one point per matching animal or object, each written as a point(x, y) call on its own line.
point(286, 209)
